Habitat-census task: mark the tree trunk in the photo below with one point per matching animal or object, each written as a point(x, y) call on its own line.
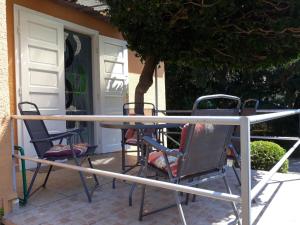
point(145, 82)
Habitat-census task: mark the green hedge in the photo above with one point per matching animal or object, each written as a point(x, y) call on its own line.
point(265, 154)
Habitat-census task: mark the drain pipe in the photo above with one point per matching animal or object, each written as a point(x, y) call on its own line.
point(23, 201)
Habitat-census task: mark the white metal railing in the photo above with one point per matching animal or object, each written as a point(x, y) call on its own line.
point(181, 112)
point(243, 121)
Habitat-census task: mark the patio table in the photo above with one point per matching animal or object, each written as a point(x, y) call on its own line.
point(140, 128)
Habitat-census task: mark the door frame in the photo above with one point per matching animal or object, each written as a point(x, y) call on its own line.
point(95, 64)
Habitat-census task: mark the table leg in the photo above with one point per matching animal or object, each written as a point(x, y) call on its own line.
point(133, 186)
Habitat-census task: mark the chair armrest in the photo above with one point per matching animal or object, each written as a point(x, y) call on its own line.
point(75, 130)
point(160, 147)
point(235, 138)
point(53, 138)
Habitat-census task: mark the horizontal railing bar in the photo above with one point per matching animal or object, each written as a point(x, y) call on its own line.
point(173, 132)
point(271, 138)
point(276, 138)
point(220, 120)
point(271, 116)
point(259, 186)
point(141, 180)
point(175, 111)
point(172, 139)
point(271, 110)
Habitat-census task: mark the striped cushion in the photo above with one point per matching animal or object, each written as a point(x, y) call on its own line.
point(65, 150)
point(131, 141)
point(131, 137)
point(156, 159)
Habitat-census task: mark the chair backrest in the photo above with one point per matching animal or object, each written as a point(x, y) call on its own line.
point(248, 108)
point(205, 145)
point(36, 128)
point(128, 109)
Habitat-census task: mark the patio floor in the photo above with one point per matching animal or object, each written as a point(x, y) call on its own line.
point(63, 201)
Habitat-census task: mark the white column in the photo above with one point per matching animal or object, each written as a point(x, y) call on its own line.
point(245, 170)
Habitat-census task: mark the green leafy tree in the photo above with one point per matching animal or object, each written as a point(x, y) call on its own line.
point(218, 34)
point(275, 87)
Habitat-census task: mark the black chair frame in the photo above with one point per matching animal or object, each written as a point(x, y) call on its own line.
point(127, 167)
point(45, 141)
point(186, 173)
point(248, 108)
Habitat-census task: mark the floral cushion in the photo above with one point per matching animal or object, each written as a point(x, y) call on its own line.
point(183, 137)
point(156, 159)
point(130, 133)
point(198, 128)
point(131, 137)
point(61, 150)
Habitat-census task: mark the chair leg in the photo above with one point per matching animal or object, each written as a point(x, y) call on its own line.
point(122, 163)
point(195, 196)
point(232, 203)
point(133, 187)
point(187, 198)
point(33, 178)
point(123, 156)
point(94, 175)
point(141, 213)
point(47, 176)
point(179, 206)
point(237, 175)
point(83, 181)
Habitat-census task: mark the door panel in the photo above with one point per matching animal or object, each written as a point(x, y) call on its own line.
point(113, 83)
point(41, 75)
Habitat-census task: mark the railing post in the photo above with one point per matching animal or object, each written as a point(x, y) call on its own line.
point(298, 124)
point(245, 170)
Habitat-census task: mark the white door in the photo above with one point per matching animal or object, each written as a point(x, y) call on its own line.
point(113, 86)
point(41, 70)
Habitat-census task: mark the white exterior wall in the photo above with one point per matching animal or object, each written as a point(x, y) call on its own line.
point(150, 95)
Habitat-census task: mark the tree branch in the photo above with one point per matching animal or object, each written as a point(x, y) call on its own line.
point(277, 6)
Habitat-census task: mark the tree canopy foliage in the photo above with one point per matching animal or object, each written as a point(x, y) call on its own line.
point(275, 87)
point(243, 34)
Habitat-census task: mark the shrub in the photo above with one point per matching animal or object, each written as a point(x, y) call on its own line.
point(265, 154)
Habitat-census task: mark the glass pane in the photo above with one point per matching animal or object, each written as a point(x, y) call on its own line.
point(78, 80)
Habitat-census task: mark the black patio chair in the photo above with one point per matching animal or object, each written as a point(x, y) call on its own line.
point(130, 137)
point(46, 149)
point(248, 108)
point(203, 157)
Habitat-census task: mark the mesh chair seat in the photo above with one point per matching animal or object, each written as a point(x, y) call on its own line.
point(156, 158)
point(61, 150)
